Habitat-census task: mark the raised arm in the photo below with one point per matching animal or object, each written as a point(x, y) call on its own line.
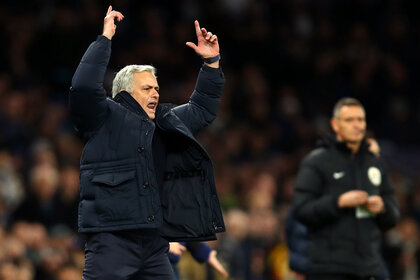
point(87, 100)
point(204, 102)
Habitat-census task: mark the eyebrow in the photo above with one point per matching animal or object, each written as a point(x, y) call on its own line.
point(150, 86)
point(348, 118)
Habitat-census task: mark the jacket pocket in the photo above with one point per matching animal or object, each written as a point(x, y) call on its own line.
point(116, 196)
point(114, 179)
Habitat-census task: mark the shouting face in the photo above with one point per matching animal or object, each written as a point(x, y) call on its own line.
point(146, 92)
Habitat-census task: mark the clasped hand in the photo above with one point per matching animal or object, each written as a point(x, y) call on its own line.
point(355, 198)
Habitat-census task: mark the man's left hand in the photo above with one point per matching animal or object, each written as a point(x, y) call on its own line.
point(208, 44)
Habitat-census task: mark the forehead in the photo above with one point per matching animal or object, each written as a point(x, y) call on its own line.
point(141, 78)
point(352, 111)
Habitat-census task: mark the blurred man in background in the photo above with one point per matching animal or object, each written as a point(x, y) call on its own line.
point(344, 196)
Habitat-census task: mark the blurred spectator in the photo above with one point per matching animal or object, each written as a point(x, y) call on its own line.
point(69, 273)
point(66, 199)
point(230, 244)
point(403, 245)
point(38, 205)
point(11, 190)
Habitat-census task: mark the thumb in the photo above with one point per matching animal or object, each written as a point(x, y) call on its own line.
point(191, 45)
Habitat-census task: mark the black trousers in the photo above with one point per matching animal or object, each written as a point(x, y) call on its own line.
point(128, 255)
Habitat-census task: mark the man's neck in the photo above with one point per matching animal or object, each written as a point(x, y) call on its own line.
point(353, 146)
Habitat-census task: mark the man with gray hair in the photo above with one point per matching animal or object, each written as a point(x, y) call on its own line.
point(144, 178)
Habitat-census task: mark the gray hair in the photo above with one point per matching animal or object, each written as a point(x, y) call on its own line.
point(124, 78)
point(346, 101)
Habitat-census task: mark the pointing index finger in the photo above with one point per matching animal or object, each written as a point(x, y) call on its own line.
point(197, 28)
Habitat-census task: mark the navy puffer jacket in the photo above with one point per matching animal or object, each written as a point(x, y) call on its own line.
point(141, 173)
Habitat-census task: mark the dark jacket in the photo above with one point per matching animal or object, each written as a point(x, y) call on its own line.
point(340, 242)
point(137, 173)
point(297, 242)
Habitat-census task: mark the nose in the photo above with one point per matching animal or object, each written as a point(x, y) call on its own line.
point(155, 93)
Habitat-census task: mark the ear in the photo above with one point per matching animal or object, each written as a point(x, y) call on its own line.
point(334, 124)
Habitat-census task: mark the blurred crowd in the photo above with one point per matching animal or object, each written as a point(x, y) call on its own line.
point(286, 63)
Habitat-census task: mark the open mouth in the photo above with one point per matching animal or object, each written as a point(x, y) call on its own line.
point(152, 105)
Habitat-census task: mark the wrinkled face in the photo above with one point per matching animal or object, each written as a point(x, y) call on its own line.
point(350, 126)
point(146, 92)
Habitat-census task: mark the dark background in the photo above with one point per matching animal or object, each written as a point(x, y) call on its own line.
point(286, 63)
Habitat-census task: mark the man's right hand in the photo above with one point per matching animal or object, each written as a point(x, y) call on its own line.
point(352, 198)
point(109, 24)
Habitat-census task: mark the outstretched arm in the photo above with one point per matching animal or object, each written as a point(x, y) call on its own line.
point(204, 102)
point(87, 100)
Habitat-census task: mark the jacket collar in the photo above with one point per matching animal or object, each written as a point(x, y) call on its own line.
point(331, 141)
point(127, 101)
